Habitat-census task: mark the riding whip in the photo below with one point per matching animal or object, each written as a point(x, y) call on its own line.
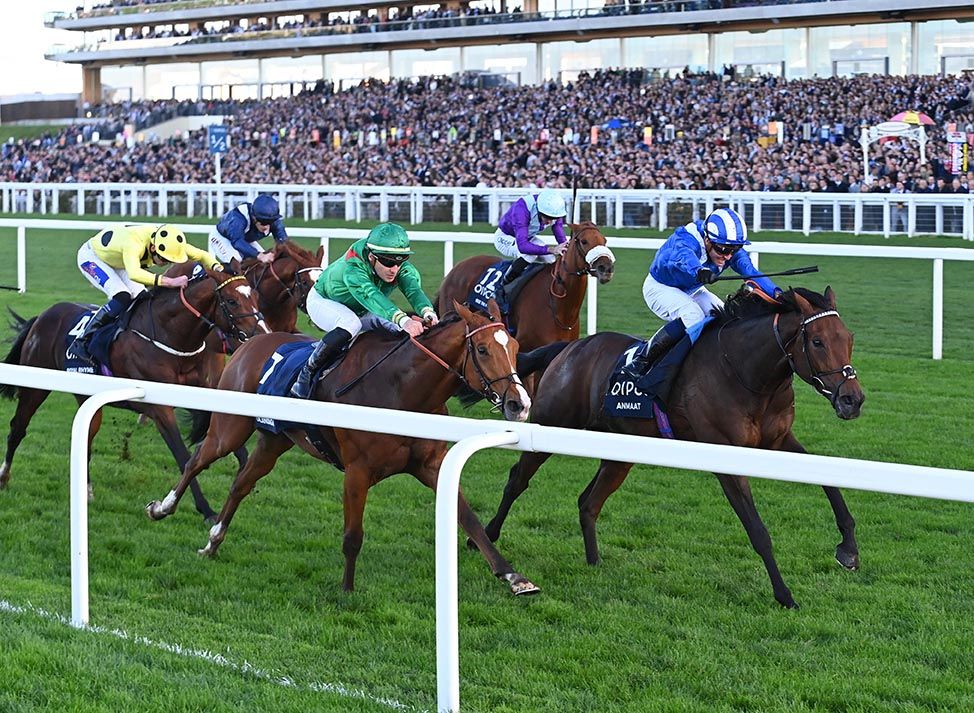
point(794, 271)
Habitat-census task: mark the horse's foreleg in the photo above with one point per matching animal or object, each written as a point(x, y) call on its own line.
point(847, 551)
point(165, 419)
point(28, 401)
point(607, 480)
point(428, 474)
point(269, 448)
point(228, 433)
point(517, 482)
point(738, 492)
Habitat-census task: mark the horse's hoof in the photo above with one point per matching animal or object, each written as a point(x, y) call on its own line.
point(471, 545)
point(207, 552)
point(155, 511)
point(848, 560)
point(521, 585)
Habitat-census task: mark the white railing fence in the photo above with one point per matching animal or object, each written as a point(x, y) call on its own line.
point(324, 235)
point(856, 213)
point(469, 435)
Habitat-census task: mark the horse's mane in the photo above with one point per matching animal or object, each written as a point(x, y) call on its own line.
point(292, 249)
point(744, 305)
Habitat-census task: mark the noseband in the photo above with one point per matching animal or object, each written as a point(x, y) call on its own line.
point(486, 385)
point(847, 371)
point(231, 318)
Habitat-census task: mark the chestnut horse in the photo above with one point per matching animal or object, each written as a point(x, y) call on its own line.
point(734, 388)
point(382, 371)
point(282, 286)
point(547, 309)
point(164, 341)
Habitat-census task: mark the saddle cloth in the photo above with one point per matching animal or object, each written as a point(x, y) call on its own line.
point(490, 287)
point(280, 372)
point(100, 342)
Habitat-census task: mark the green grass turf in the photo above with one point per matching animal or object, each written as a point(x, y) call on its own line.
point(679, 617)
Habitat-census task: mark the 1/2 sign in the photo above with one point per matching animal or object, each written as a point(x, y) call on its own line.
point(217, 139)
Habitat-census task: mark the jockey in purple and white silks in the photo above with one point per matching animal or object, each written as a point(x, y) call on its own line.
point(517, 232)
point(692, 258)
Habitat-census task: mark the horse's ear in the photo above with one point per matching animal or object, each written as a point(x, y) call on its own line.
point(320, 255)
point(235, 266)
point(804, 306)
point(494, 310)
point(465, 314)
point(830, 296)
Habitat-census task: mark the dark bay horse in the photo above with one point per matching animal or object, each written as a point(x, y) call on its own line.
point(547, 310)
point(735, 388)
point(164, 341)
point(411, 375)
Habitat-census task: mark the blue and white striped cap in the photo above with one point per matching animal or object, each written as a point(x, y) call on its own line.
point(725, 226)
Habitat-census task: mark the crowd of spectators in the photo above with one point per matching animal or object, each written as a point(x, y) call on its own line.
point(709, 131)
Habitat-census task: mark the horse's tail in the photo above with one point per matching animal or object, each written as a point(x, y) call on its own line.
point(200, 425)
point(22, 327)
point(537, 360)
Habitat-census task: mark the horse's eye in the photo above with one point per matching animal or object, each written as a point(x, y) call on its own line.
point(817, 343)
point(481, 349)
point(232, 302)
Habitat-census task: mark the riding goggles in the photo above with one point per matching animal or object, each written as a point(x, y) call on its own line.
point(390, 260)
point(725, 250)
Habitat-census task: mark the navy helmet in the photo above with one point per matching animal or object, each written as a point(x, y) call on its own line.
point(265, 209)
point(725, 226)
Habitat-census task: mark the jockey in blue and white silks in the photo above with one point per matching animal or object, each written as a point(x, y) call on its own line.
point(239, 230)
point(676, 287)
point(691, 259)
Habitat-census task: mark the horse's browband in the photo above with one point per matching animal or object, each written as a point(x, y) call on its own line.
point(827, 313)
point(229, 280)
point(483, 327)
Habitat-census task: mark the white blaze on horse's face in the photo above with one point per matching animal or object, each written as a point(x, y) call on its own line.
point(502, 338)
point(245, 291)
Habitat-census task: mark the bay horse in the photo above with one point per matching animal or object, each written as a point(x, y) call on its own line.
point(382, 371)
point(547, 309)
point(164, 341)
point(735, 388)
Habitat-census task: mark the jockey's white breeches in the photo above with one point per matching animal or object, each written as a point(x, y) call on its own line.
point(106, 278)
point(669, 303)
point(507, 246)
point(222, 249)
point(328, 315)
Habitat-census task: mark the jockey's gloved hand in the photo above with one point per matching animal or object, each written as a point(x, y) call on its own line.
point(705, 276)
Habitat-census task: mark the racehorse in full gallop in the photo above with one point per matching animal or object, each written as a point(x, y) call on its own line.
point(465, 349)
point(547, 309)
point(734, 388)
point(163, 341)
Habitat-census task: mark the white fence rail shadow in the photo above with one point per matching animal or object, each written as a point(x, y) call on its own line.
point(449, 240)
point(469, 435)
point(856, 213)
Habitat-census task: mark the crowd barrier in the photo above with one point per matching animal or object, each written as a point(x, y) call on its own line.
point(347, 235)
point(469, 436)
point(856, 213)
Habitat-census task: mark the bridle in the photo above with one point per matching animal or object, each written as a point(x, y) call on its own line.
point(486, 389)
point(298, 292)
point(814, 375)
point(232, 319)
point(847, 371)
point(560, 271)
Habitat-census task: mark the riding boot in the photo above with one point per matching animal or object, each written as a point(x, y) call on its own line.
point(106, 314)
point(325, 350)
point(651, 351)
point(516, 277)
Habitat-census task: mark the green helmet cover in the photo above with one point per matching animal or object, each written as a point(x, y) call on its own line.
point(388, 239)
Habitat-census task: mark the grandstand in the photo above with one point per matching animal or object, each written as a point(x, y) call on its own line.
point(211, 49)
